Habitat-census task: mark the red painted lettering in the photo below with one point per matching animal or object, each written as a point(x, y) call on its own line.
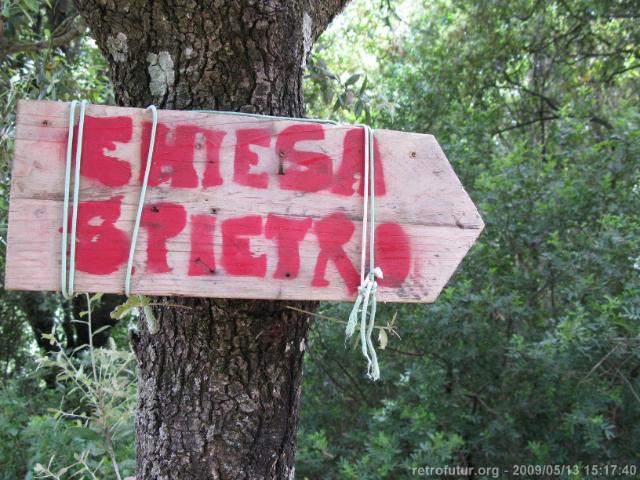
point(288, 233)
point(333, 232)
point(352, 166)
point(202, 261)
point(308, 171)
point(213, 140)
point(237, 258)
point(101, 247)
point(245, 158)
point(162, 221)
point(100, 134)
point(393, 254)
point(172, 155)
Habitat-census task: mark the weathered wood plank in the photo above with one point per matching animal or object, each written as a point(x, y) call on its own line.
point(202, 165)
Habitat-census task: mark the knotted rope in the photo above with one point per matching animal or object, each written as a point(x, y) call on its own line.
point(368, 283)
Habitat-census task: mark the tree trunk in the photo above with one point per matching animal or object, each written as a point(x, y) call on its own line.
point(219, 384)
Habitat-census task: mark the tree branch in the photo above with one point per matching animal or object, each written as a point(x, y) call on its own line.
point(525, 124)
point(58, 39)
point(552, 103)
point(322, 13)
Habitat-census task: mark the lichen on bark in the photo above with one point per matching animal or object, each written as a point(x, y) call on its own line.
point(161, 74)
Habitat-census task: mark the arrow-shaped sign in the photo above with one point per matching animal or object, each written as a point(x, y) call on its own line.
point(236, 206)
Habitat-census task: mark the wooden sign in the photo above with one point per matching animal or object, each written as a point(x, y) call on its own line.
point(237, 207)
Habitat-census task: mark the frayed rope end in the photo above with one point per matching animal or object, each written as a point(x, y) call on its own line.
point(366, 299)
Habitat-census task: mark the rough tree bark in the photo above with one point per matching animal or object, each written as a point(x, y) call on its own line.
point(219, 384)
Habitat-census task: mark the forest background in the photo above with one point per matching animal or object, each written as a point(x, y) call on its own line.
point(532, 353)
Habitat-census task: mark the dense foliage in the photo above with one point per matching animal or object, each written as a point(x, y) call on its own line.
point(531, 354)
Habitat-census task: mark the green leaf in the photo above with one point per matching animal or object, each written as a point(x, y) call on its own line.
point(363, 86)
point(133, 302)
point(85, 433)
point(101, 329)
point(96, 298)
point(352, 79)
point(359, 108)
point(338, 104)
point(383, 338)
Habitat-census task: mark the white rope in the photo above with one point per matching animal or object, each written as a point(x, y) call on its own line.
point(68, 281)
point(363, 252)
point(368, 283)
point(143, 192)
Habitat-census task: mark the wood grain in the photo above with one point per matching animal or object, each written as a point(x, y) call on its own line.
point(423, 196)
